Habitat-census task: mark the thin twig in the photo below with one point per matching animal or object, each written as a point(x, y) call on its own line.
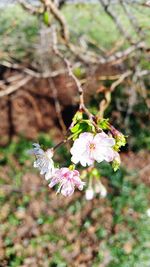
point(31, 72)
point(82, 106)
point(115, 18)
point(107, 93)
point(59, 16)
point(57, 106)
point(132, 19)
point(120, 80)
point(30, 8)
point(15, 87)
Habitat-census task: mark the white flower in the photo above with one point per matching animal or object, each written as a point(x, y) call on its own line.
point(43, 160)
point(89, 147)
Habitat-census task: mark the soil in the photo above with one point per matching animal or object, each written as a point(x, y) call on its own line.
point(65, 229)
point(31, 109)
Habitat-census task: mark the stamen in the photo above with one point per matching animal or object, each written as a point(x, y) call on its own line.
point(92, 146)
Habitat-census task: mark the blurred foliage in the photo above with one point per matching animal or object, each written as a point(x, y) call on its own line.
point(132, 124)
point(92, 24)
point(18, 33)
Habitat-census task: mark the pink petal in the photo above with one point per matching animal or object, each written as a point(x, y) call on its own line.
point(67, 189)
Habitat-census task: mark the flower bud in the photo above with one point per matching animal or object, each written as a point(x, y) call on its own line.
point(89, 194)
point(103, 190)
point(116, 162)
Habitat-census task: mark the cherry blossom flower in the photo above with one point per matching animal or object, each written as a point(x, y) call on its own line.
point(67, 180)
point(89, 147)
point(43, 160)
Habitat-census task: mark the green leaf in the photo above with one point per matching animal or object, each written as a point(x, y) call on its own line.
point(46, 18)
point(120, 141)
point(95, 173)
point(79, 72)
point(103, 124)
point(77, 117)
point(115, 165)
point(81, 127)
point(75, 128)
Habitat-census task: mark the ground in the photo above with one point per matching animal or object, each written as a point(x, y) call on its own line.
point(40, 228)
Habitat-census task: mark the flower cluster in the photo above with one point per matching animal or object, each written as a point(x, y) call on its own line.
point(98, 188)
point(66, 178)
point(88, 147)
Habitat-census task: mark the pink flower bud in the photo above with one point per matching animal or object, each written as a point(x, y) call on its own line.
point(89, 194)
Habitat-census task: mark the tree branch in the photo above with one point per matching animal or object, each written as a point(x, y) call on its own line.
point(15, 87)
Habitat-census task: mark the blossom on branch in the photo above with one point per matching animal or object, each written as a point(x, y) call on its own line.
point(67, 180)
point(43, 160)
point(89, 148)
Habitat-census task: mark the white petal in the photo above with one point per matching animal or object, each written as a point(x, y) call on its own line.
point(36, 145)
point(48, 175)
point(75, 159)
point(104, 139)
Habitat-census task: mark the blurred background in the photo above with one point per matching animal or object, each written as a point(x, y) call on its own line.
point(107, 43)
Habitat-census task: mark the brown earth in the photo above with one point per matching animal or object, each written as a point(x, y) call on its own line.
point(31, 109)
point(65, 229)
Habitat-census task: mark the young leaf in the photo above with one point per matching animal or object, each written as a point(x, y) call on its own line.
point(46, 18)
point(77, 117)
point(103, 124)
point(115, 165)
point(81, 127)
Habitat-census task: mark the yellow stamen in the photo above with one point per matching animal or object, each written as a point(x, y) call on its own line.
point(92, 146)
